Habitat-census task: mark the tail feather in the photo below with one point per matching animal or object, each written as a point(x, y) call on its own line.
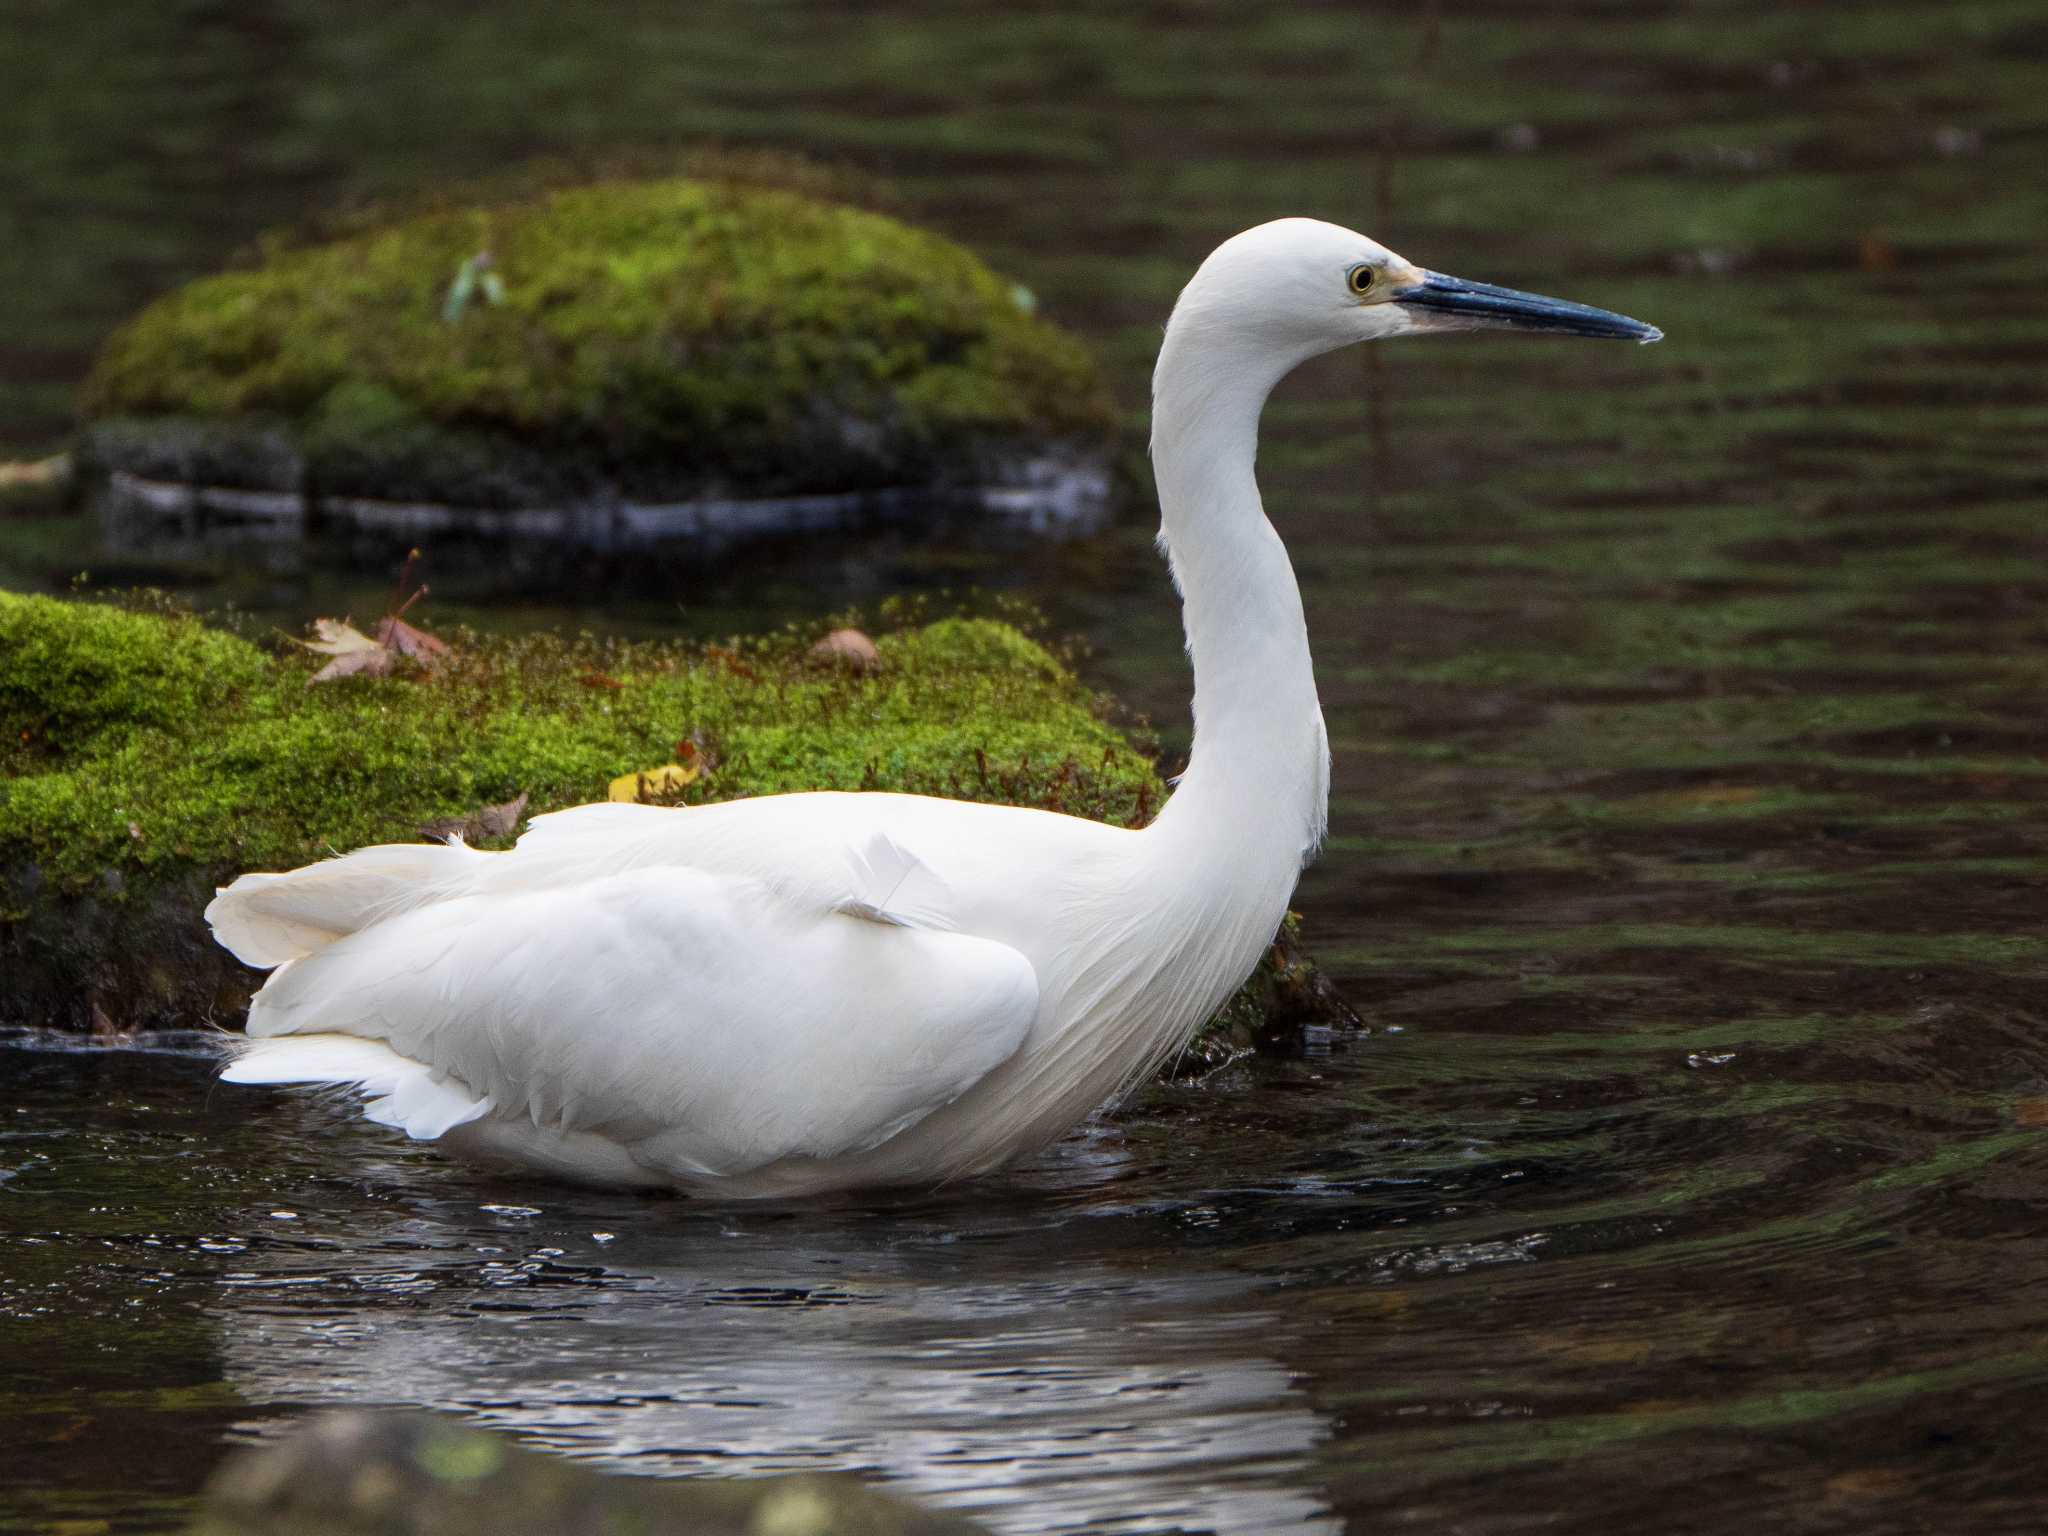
point(404, 1094)
point(265, 920)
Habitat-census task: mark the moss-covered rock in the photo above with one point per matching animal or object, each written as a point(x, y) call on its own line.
point(398, 1473)
point(71, 671)
point(650, 341)
point(147, 757)
point(226, 758)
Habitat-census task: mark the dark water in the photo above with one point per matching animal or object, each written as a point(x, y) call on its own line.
point(1687, 851)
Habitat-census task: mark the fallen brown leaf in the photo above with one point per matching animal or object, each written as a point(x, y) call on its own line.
point(500, 820)
point(338, 637)
point(371, 663)
point(725, 656)
point(358, 655)
point(397, 635)
point(696, 753)
point(353, 651)
point(488, 821)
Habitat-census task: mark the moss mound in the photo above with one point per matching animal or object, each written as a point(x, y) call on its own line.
point(655, 340)
point(147, 758)
point(70, 672)
point(225, 759)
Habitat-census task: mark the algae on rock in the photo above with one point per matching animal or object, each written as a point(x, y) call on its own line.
point(652, 341)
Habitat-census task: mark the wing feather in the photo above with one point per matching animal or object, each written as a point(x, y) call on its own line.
point(707, 1022)
point(887, 883)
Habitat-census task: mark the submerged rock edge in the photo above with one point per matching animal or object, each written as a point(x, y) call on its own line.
point(357, 1472)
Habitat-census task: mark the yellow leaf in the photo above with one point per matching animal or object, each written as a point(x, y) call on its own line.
point(651, 783)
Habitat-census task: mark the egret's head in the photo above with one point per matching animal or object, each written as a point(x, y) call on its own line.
point(1298, 287)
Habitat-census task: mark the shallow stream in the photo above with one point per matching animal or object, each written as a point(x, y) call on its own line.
point(1687, 849)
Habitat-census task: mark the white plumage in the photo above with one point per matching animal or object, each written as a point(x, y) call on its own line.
point(816, 991)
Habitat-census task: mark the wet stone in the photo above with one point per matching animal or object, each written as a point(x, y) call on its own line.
point(363, 1473)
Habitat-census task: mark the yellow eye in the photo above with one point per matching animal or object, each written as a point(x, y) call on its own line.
point(1360, 278)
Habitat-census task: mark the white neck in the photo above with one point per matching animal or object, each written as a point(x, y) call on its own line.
point(1256, 791)
point(1185, 922)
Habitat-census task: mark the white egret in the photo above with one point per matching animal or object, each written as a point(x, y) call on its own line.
point(815, 991)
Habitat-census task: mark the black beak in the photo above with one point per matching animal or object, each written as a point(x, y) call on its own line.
point(1451, 303)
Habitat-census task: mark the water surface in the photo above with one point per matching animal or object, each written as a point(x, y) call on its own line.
point(1687, 844)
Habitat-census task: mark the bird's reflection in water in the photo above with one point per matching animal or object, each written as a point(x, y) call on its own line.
point(1004, 1352)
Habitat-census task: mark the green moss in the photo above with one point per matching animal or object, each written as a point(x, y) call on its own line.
point(657, 339)
point(148, 758)
point(72, 671)
point(158, 744)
